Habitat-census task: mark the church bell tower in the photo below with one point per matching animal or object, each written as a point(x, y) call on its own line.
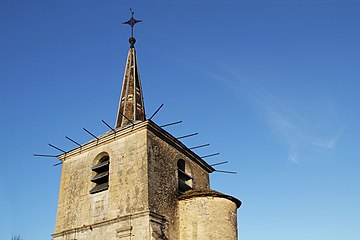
point(138, 182)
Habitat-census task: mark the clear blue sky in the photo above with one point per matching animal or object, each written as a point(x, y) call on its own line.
point(271, 85)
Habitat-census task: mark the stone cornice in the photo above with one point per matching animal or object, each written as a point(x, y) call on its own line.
point(111, 136)
point(208, 193)
point(154, 217)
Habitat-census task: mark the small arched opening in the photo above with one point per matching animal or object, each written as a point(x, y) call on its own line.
point(101, 178)
point(185, 179)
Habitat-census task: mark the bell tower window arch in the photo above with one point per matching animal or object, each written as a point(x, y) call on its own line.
point(101, 173)
point(185, 179)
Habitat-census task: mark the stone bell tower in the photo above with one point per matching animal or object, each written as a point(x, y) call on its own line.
point(138, 182)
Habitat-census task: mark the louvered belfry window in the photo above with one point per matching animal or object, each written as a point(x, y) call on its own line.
point(184, 176)
point(101, 178)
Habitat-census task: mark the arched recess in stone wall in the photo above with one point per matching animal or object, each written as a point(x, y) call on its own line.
point(185, 179)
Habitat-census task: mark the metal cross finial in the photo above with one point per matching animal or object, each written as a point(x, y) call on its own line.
point(132, 22)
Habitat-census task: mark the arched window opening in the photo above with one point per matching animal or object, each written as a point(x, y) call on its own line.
point(101, 179)
point(184, 176)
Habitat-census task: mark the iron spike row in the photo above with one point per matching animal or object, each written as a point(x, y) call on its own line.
point(190, 135)
point(156, 111)
point(219, 163)
point(169, 124)
point(91, 133)
point(225, 171)
point(57, 148)
point(210, 155)
point(56, 164)
point(73, 141)
point(108, 126)
point(200, 146)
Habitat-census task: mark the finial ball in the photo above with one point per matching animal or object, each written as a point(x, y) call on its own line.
point(132, 40)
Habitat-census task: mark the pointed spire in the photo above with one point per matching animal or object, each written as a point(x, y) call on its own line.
point(131, 104)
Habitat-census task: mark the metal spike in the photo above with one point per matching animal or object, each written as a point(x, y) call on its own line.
point(225, 171)
point(43, 155)
point(127, 118)
point(170, 124)
point(73, 141)
point(57, 164)
point(190, 135)
point(91, 133)
point(108, 126)
point(156, 111)
point(57, 148)
point(210, 155)
point(215, 164)
point(200, 146)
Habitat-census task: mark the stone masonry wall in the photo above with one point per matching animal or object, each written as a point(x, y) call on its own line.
point(163, 184)
point(210, 218)
point(142, 200)
point(128, 188)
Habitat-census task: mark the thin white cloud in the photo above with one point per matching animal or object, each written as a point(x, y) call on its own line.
point(293, 154)
point(303, 132)
point(315, 130)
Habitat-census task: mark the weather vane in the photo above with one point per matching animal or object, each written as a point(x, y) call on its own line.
point(132, 22)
